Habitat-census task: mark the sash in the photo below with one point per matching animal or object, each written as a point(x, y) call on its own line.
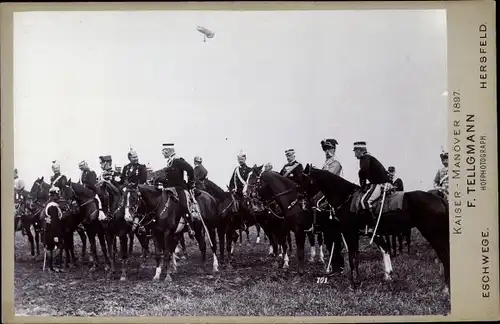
point(237, 173)
point(443, 179)
point(57, 179)
point(291, 170)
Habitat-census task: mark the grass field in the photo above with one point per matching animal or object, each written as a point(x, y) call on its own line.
point(253, 287)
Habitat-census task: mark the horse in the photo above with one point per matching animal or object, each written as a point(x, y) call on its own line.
point(420, 209)
point(113, 206)
point(162, 215)
point(272, 187)
point(25, 218)
point(228, 206)
point(38, 197)
point(85, 211)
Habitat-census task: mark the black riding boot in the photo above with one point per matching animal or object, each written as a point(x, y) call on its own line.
point(189, 225)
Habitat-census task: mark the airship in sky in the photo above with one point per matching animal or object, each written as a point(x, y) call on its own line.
point(206, 32)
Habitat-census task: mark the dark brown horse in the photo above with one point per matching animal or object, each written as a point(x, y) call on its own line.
point(420, 209)
point(37, 200)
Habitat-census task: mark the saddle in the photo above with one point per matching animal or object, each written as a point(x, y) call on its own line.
point(393, 202)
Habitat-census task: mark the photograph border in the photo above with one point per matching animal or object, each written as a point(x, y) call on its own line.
point(466, 53)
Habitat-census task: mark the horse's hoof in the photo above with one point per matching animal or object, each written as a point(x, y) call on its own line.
point(168, 279)
point(276, 264)
point(183, 257)
point(123, 278)
point(156, 278)
point(387, 277)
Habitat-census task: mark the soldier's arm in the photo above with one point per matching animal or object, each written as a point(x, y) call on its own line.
point(189, 170)
point(143, 174)
point(436, 179)
point(336, 168)
point(204, 173)
point(400, 184)
point(283, 171)
point(363, 169)
point(231, 181)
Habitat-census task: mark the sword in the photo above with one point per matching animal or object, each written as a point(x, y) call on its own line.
point(379, 214)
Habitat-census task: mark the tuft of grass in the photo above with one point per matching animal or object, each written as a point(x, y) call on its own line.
point(252, 288)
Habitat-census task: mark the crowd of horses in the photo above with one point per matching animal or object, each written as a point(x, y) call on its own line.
point(272, 202)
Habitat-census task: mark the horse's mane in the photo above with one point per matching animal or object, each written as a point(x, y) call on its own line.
point(275, 175)
point(332, 180)
point(215, 189)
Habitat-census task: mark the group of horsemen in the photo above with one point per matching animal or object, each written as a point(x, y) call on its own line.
point(373, 178)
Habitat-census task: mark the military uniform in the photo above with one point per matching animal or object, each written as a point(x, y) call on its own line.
point(441, 180)
point(89, 180)
point(331, 165)
point(293, 171)
point(370, 169)
point(173, 176)
point(239, 178)
point(133, 174)
point(398, 183)
point(200, 174)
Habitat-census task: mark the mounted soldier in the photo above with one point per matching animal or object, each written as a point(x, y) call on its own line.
point(329, 146)
point(200, 173)
point(109, 178)
point(133, 174)
point(293, 170)
point(88, 180)
point(371, 170)
point(441, 181)
point(398, 183)
point(20, 201)
point(57, 181)
point(240, 175)
point(173, 177)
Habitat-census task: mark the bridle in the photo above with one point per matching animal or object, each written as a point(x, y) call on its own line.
point(255, 188)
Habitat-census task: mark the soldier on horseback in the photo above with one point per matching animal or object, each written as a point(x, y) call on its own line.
point(238, 182)
point(293, 171)
point(200, 173)
point(398, 183)
point(88, 180)
point(441, 181)
point(108, 177)
point(57, 182)
point(20, 200)
point(371, 170)
point(332, 165)
point(133, 174)
point(173, 177)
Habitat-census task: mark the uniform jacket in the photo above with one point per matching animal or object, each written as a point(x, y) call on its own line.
point(89, 180)
point(20, 197)
point(372, 170)
point(398, 184)
point(332, 165)
point(58, 180)
point(200, 173)
point(173, 175)
point(236, 182)
point(109, 175)
point(293, 171)
point(134, 173)
point(441, 178)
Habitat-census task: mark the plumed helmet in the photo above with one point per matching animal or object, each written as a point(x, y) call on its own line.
point(329, 143)
point(242, 155)
point(443, 155)
point(132, 153)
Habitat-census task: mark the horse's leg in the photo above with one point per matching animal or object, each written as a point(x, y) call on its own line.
point(30, 239)
point(384, 248)
point(83, 237)
point(111, 238)
point(215, 263)
point(320, 243)
point(200, 237)
point(131, 243)
point(408, 240)
point(222, 236)
point(102, 242)
point(241, 236)
point(144, 242)
point(229, 248)
point(311, 238)
point(124, 255)
point(289, 239)
point(37, 242)
point(183, 246)
point(247, 231)
point(169, 244)
point(300, 239)
point(352, 246)
point(93, 246)
point(257, 226)
point(158, 243)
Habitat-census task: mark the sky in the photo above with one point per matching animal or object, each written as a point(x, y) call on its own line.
point(94, 83)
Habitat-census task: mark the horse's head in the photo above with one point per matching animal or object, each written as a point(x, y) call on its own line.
point(39, 192)
point(253, 185)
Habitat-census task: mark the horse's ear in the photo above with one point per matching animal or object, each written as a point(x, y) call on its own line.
point(41, 179)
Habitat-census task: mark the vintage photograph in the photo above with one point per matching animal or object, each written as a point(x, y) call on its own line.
point(231, 163)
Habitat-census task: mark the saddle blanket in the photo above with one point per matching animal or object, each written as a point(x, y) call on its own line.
point(393, 202)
